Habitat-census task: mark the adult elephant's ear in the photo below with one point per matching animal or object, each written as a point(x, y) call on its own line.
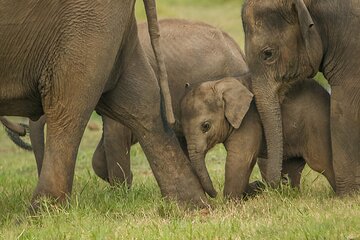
point(310, 34)
point(237, 99)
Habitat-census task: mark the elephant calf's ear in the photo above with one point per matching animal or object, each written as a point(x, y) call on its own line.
point(237, 100)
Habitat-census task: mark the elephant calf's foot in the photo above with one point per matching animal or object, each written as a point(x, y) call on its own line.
point(237, 193)
point(253, 189)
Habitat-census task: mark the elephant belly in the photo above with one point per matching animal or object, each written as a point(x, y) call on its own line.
point(21, 107)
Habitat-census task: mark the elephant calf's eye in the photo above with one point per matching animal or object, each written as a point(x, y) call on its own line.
point(267, 55)
point(205, 127)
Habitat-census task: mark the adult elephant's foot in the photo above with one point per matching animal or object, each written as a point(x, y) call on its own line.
point(47, 197)
point(172, 169)
point(344, 188)
point(185, 189)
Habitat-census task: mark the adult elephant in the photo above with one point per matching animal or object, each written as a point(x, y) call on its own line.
point(63, 59)
point(286, 41)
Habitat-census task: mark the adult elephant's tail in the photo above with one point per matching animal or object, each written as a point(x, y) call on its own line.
point(15, 132)
point(14, 127)
point(153, 25)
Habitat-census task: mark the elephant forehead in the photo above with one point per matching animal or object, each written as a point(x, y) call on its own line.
point(256, 13)
point(200, 102)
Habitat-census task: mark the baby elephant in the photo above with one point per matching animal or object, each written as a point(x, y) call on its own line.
point(223, 112)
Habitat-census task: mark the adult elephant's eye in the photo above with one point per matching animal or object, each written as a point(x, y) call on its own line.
point(205, 127)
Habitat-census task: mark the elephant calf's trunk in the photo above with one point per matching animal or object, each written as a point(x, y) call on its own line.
point(198, 164)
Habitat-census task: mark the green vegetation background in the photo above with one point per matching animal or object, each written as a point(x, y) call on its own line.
point(101, 212)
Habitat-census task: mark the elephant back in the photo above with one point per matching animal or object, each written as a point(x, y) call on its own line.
point(194, 52)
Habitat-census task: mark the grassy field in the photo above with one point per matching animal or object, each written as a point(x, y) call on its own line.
point(101, 212)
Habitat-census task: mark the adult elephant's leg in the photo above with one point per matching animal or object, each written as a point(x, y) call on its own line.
point(37, 140)
point(75, 90)
point(345, 138)
point(117, 143)
point(136, 103)
point(65, 126)
point(99, 163)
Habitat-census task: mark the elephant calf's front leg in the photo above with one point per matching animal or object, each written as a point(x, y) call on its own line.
point(238, 169)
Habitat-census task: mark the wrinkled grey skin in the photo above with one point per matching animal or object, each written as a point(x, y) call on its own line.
point(63, 59)
point(194, 53)
point(208, 118)
point(289, 40)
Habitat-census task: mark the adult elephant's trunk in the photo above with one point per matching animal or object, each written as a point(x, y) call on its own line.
point(268, 105)
point(153, 25)
point(198, 163)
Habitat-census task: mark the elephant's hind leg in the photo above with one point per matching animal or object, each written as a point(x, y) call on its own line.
point(117, 143)
point(99, 163)
point(37, 140)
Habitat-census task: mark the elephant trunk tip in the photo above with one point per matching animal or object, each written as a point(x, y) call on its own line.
point(211, 192)
point(273, 178)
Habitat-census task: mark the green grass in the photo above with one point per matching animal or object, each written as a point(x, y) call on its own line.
point(101, 212)
point(98, 211)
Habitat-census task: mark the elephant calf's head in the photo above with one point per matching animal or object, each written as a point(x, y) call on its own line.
point(208, 114)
